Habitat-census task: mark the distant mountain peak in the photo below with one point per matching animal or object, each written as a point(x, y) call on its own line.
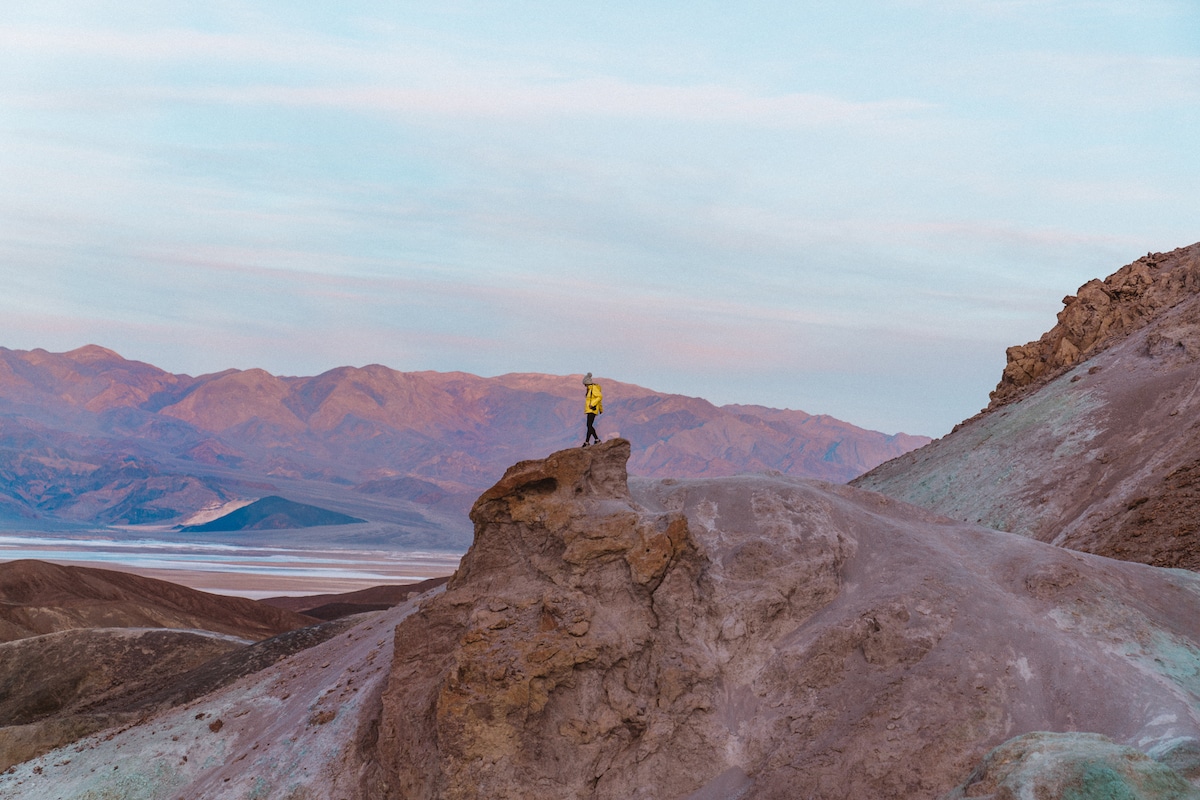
point(88, 436)
point(92, 352)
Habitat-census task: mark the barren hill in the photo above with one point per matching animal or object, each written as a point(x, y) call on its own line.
point(756, 636)
point(88, 436)
point(1092, 440)
point(38, 598)
point(59, 687)
point(336, 606)
point(273, 513)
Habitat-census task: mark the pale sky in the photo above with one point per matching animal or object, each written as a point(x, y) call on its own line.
point(845, 208)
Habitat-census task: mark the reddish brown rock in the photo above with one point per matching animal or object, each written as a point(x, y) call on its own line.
point(1098, 315)
point(544, 648)
point(792, 639)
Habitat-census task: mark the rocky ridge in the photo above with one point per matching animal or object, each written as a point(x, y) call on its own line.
point(1097, 454)
point(37, 598)
point(295, 729)
point(52, 685)
point(1097, 316)
point(336, 606)
point(83, 649)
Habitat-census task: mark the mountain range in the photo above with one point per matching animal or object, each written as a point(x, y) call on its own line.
point(88, 437)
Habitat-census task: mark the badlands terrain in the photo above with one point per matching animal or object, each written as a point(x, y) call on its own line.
point(761, 637)
point(999, 614)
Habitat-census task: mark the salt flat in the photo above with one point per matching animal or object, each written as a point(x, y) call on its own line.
point(233, 569)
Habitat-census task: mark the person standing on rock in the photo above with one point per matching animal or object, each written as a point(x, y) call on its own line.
point(593, 406)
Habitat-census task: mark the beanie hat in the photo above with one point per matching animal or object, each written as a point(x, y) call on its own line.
point(587, 379)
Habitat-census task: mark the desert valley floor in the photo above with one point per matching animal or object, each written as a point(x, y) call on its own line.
point(243, 571)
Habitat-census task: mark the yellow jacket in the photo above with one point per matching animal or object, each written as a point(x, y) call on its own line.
point(592, 401)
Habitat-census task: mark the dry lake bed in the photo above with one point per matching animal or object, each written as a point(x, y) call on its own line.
point(233, 569)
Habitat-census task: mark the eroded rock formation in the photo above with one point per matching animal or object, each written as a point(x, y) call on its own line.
point(763, 636)
point(1098, 315)
point(556, 657)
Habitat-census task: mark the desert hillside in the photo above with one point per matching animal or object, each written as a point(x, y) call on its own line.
point(90, 649)
point(1092, 440)
point(37, 598)
point(755, 637)
point(90, 437)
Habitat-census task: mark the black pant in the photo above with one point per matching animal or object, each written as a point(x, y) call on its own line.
point(591, 429)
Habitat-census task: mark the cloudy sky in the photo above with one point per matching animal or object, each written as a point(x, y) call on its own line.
point(845, 208)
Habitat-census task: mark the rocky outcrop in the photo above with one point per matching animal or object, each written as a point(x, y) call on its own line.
point(762, 637)
point(1098, 315)
point(556, 663)
point(1101, 458)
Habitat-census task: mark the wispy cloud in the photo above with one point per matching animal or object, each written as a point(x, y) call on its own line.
point(417, 79)
point(590, 98)
point(174, 46)
point(1120, 84)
